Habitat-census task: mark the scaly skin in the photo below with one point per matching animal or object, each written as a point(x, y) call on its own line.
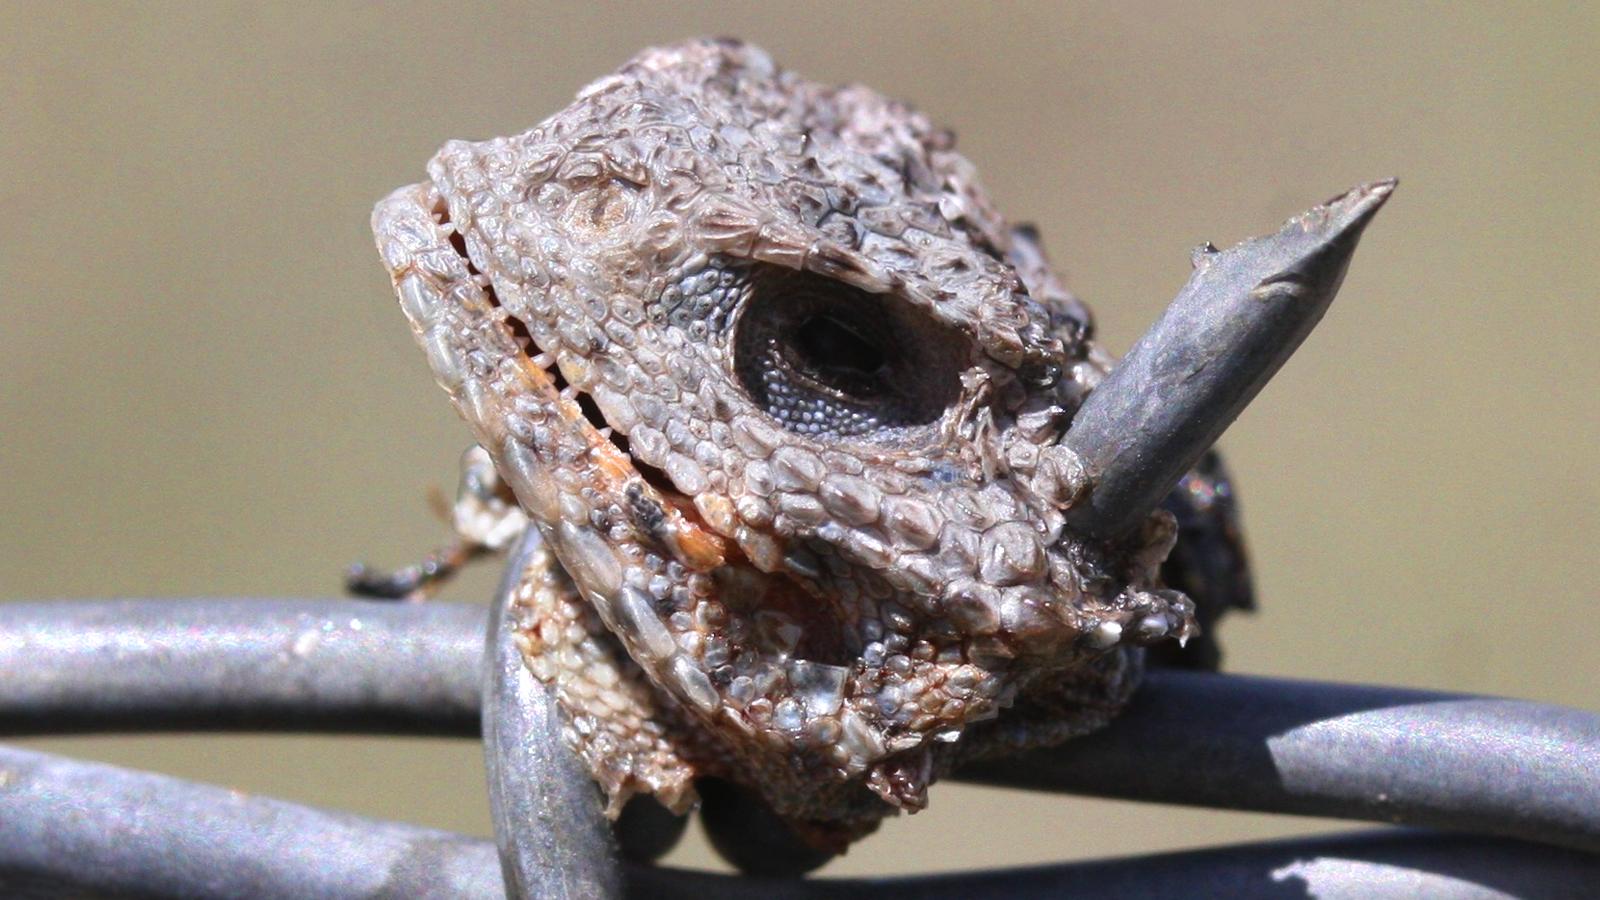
point(783, 393)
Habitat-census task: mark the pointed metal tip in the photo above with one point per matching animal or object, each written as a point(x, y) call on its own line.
point(1243, 312)
point(1349, 212)
point(1314, 248)
point(1373, 190)
point(1367, 199)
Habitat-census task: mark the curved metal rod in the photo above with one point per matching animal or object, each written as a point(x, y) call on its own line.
point(554, 840)
point(1369, 865)
point(239, 663)
point(119, 833)
point(1506, 767)
point(92, 827)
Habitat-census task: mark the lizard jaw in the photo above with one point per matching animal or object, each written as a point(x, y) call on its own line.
point(458, 319)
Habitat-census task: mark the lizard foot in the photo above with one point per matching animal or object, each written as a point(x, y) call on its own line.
point(486, 519)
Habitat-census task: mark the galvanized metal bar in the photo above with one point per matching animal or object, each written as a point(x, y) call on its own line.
point(79, 828)
point(1372, 865)
point(1478, 764)
point(239, 663)
point(112, 832)
point(553, 838)
point(1493, 766)
point(1244, 311)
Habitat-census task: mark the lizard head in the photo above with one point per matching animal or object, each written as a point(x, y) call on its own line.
point(785, 394)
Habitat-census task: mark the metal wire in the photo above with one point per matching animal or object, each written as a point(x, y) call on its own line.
point(240, 663)
point(1361, 866)
point(120, 833)
point(100, 831)
point(1491, 766)
point(1506, 767)
point(553, 840)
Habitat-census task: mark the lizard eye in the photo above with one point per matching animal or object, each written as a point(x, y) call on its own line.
point(824, 358)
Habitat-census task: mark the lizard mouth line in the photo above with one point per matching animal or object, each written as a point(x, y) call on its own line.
point(546, 362)
point(822, 641)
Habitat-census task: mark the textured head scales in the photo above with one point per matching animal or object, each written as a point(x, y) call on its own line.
point(784, 393)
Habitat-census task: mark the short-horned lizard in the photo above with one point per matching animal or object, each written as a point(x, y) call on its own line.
point(783, 394)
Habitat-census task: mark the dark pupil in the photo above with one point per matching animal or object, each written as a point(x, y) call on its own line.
point(831, 347)
point(829, 360)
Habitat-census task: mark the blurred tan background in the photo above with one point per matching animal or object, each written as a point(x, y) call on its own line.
point(205, 388)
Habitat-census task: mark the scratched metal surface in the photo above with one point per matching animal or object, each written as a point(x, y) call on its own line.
point(207, 389)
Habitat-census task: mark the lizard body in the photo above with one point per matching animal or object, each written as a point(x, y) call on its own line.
point(783, 393)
